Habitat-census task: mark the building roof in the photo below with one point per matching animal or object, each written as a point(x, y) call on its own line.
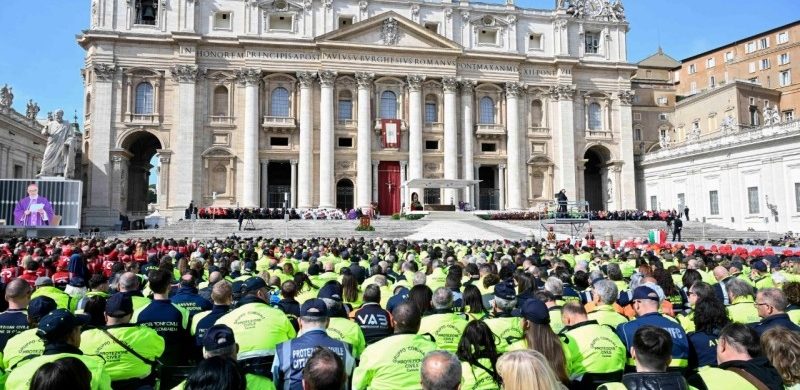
point(742, 40)
point(659, 60)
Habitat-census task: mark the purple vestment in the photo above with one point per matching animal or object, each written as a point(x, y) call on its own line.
point(34, 218)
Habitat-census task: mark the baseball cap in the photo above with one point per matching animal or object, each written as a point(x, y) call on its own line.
point(253, 284)
point(119, 305)
point(644, 292)
point(505, 290)
point(758, 265)
point(331, 291)
point(77, 281)
point(59, 323)
point(314, 308)
point(40, 306)
point(217, 337)
point(536, 311)
point(43, 281)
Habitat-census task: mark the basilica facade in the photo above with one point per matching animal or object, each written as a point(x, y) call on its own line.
point(338, 103)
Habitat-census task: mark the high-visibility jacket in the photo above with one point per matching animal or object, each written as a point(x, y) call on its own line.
point(258, 327)
point(743, 310)
point(592, 348)
point(63, 300)
point(393, 363)
point(20, 346)
point(606, 315)
point(119, 363)
point(504, 328)
point(20, 377)
point(254, 382)
point(477, 378)
point(446, 329)
point(348, 331)
point(717, 378)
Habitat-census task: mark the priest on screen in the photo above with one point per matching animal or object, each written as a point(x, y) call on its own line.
point(33, 210)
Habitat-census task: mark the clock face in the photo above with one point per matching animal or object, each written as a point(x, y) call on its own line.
point(594, 7)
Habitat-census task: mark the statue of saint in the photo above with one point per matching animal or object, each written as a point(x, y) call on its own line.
point(59, 154)
point(6, 96)
point(32, 110)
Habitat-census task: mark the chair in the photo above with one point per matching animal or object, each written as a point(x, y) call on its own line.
point(55, 221)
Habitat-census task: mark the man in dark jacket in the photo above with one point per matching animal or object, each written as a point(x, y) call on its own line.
point(652, 351)
point(677, 227)
point(771, 304)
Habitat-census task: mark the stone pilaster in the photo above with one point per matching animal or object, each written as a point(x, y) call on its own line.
point(468, 131)
point(250, 78)
point(450, 85)
point(305, 191)
point(364, 150)
point(515, 164)
point(326, 139)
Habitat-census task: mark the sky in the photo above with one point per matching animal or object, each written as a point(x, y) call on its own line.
point(40, 59)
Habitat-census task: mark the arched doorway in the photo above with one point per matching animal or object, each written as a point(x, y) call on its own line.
point(344, 195)
point(138, 181)
point(593, 176)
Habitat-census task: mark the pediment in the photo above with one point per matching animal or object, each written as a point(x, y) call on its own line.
point(388, 30)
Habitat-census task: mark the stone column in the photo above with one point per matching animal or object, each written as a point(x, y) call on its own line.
point(468, 129)
point(162, 186)
point(293, 188)
point(415, 129)
point(364, 150)
point(515, 164)
point(249, 78)
point(564, 141)
point(305, 192)
point(98, 211)
point(476, 188)
point(627, 186)
point(185, 161)
point(375, 184)
point(501, 183)
point(3, 165)
point(264, 183)
point(404, 197)
point(326, 139)
point(450, 86)
point(120, 163)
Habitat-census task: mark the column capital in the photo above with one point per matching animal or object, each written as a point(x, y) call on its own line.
point(501, 166)
point(293, 162)
point(450, 84)
point(264, 161)
point(513, 89)
point(404, 163)
point(104, 72)
point(306, 79)
point(563, 92)
point(415, 82)
point(327, 78)
point(467, 87)
point(248, 76)
point(626, 97)
point(184, 73)
point(376, 162)
point(364, 79)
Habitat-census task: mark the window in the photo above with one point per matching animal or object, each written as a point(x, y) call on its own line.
point(345, 20)
point(797, 197)
point(751, 67)
point(750, 47)
point(693, 87)
point(662, 133)
point(536, 113)
point(487, 37)
point(431, 145)
point(280, 22)
point(488, 147)
point(18, 171)
point(754, 120)
point(788, 115)
point(729, 56)
point(653, 202)
point(692, 69)
point(432, 26)
point(785, 78)
point(220, 101)
point(279, 102)
point(279, 141)
point(763, 43)
point(592, 43)
point(345, 142)
point(711, 62)
point(222, 21)
point(146, 12)
point(752, 200)
point(637, 116)
point(783, 59)
point(764, 64)
point(695, 127)
point(535, 42)
point(345, 105)
point(595, 116)
point(663, 117)
point(681, 200)
point(712, 82)
point(432, 196)
point(637, 134)
point(783, 37)
point(144, 99)
point(388, 105)
point(486, 111)
point(753, 80)
point(662, 101)
point(713, 202)
point(431, 112)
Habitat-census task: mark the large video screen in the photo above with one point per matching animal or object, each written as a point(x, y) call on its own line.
point(40, 204)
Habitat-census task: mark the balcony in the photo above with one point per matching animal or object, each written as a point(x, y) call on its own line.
point(279, 124)
point(598, 134)
point(220, 121)
point(377, 128)
point(143, 119)
point(490, 131)
point(346, 124)
point(433, 127)
point(538, 132)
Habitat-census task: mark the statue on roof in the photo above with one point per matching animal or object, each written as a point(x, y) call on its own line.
point(32, 110)
point(6, 96)
point(59, 154)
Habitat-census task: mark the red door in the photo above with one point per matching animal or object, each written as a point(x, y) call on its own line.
point(389, 187)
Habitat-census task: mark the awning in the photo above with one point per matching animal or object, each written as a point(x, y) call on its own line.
point(440, 183)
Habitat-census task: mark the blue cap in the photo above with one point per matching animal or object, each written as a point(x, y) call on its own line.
point(119, 305)
point(644, 292)
point(59, 323)
point(536, 311)
point(505, 290)
point(331, 291)
point(314, 308)
point(40, 306)
point(217, 337)
point(253, 284)
point(77, 281)
point(758, 265)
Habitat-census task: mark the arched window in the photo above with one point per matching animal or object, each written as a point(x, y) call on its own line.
point(431, 110)
point(345, 105)
point(595, 117)
point(279, 102)
point(87, 109)
point(536, 113)
point(486, 111)
point(388, 105)
point(220, 101)
point(144, 99)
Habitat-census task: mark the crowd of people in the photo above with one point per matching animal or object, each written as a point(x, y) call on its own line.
point(325, 313)
point(596, 215)
point(270, 213)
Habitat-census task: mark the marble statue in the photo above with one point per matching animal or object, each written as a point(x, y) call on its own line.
point(6, 96)
point(59, 154)
point(771, 116)
point(32, 110)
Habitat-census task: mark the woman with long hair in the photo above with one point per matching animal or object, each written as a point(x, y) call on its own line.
point(305, 288)
point(696, 291)
point(782, 347)
point(421, 295)
point(672, 293)
point(709, 317)
point(525, 370)
point(478, 355)
point(539, 336)
point(473, 302)
point(350, 289)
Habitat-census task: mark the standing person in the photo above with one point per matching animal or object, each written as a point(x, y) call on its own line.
point(33, 210)
point(561, 197)
point(677, 227)
point(168, 319)
point(240, 219)
point(686, 213)
point(440, 371)
point(291, 356)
